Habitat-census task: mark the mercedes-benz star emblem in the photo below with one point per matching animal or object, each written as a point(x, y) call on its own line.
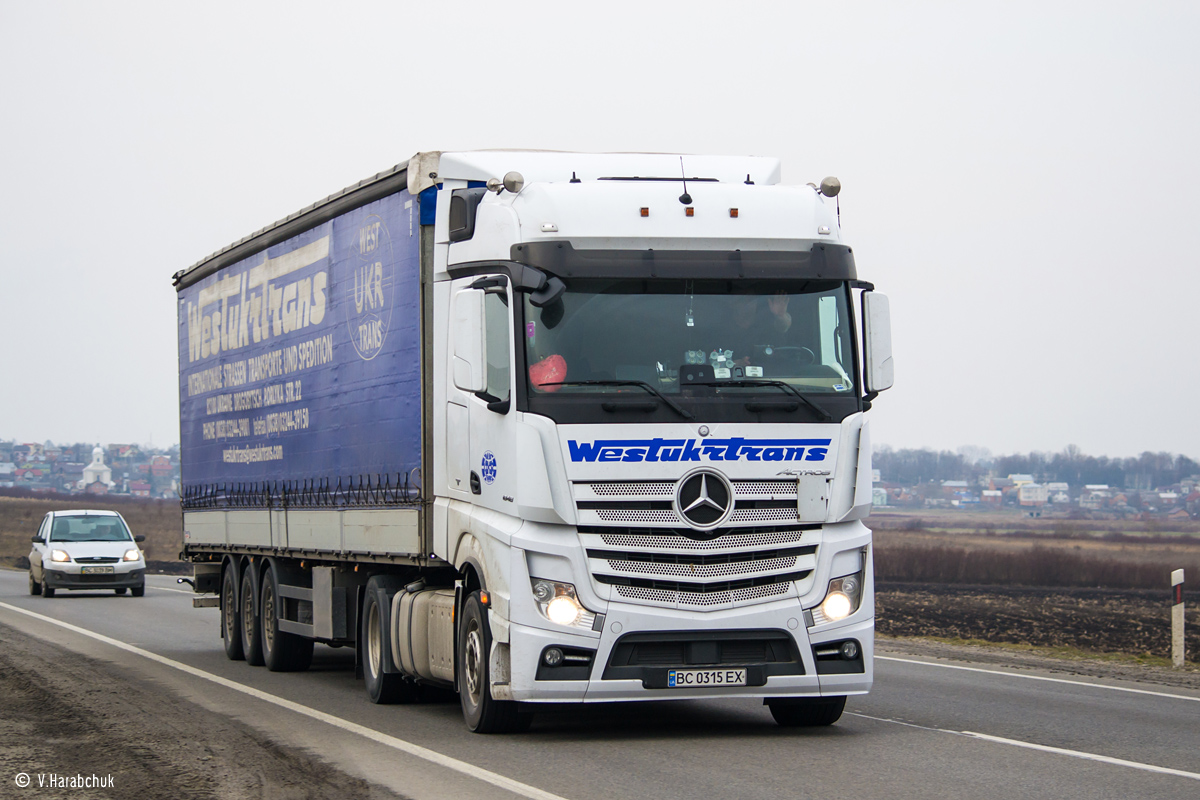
point(703, 499)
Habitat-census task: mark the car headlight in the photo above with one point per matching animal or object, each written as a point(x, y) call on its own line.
point(842, 599)
point(557, 602)
point(133, 554)
point(59, 555)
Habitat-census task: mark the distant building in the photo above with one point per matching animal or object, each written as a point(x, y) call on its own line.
point(1019, 479)
point(992, 497)
point(1032, 494)
point(96, 474)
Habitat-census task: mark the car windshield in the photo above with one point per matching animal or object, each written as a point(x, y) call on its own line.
point(748, 335)
point(88, 528)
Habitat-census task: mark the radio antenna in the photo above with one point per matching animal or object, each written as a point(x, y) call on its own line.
point(684, 198)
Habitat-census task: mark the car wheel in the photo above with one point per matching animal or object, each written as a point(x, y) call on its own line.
point(482, 713)
point(251, 621)
point(281, 651)
point(122, 590)
point(806, 712)
point(383, 687)
point(231, 631)
point(138, 591)
point(34, 586)
point(47, 589)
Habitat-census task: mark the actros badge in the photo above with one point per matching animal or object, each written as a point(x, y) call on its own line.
point(704, 499)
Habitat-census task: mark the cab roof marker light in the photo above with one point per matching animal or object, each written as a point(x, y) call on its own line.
point(733, 213)
point(645, 211)
point(689, 212)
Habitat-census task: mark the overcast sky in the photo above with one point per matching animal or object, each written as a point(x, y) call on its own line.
point(1021, 179)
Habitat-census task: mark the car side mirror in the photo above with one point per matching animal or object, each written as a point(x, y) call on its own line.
point(37, 539)
point(470, 343)
point(139, 539)
point(877, 342)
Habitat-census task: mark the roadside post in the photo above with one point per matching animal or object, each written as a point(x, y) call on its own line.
point(1177, 618)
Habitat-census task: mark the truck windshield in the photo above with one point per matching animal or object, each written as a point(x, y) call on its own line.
point(674, 333)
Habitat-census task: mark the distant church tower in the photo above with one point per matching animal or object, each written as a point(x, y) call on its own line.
point(97, 471)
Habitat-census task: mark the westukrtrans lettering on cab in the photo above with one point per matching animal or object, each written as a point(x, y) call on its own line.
point(732, 449)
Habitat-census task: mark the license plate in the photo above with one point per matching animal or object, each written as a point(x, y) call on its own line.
point(692, 678)
point(96, 570)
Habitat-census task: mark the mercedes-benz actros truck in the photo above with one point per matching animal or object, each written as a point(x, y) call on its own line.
point(541, 427)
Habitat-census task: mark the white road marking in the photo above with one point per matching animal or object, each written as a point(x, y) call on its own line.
point(1193, 698)
point(167, 589)
point(432, 756)
point(1120, 762)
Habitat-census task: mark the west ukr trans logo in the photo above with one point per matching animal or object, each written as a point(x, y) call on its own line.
point(733, 449)
point(368, 290)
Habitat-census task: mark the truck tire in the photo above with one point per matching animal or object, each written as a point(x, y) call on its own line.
point(383, 687)
point(251, 620)
point(231, 632)
point(281, 651)
point(806, 712)
point(482, 713)
point(34, 586)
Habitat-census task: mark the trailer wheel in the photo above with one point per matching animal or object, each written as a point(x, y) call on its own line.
point(383, 687)
point(251, 620)
point(231, 634)
point(281, 651)
point(482, 713)
point(806, 712)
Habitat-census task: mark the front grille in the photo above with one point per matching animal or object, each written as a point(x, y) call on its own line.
point(97, 560)
point(637, 544)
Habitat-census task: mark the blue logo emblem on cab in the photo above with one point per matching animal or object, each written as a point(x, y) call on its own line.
point(488, 469)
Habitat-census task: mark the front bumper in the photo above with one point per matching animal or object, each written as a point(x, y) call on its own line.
point(72, 579)
point(791, 669)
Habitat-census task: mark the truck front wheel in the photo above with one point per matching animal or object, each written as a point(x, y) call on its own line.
point(482, 713)
point(806, 712)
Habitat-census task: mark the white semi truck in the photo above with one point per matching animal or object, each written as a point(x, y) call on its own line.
point(542, 427)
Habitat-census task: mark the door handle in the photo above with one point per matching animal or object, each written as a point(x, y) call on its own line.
point(476, 486)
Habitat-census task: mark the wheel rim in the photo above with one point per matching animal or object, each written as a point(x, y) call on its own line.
point(374, 641)
point(268, 615)
point(230, 615)
point(247, 613)
point(474, 662)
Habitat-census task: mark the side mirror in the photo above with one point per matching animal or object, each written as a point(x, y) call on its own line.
point(139, 539)
point(37, 540)
point(877, 340)
point(470, 343)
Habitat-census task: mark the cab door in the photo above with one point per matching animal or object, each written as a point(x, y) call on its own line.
point(480, 455)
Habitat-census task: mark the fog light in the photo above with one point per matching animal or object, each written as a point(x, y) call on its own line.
point(553, 656)
point(836, 606)
point(563, 610)
point(849, 651)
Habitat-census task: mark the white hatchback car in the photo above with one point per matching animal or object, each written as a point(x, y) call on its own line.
point(86, 550)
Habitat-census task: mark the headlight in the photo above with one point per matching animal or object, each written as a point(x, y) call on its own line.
point(59, 555)
point(132, 554)
point(557, 602)
point(842, 599)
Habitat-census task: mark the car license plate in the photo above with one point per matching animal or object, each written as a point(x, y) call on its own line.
point(691, 678)
point(96, 570)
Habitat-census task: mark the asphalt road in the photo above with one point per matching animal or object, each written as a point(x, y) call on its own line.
point(928, 730)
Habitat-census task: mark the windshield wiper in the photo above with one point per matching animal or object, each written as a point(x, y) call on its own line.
point(787, 387)
point(641, 384)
